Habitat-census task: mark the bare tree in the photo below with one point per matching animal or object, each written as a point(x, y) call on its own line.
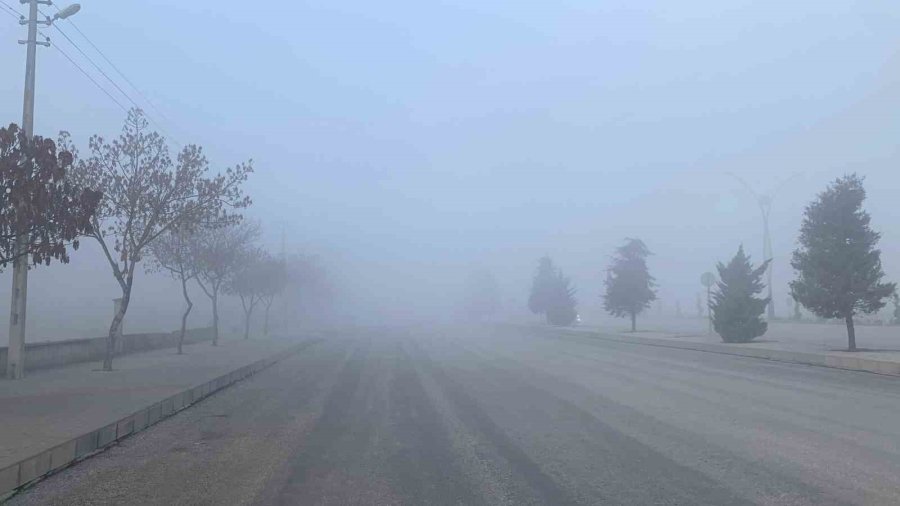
point(273, 281)
point(249, 283)
point(171, 252)
point(217, 254)
point(147, 194)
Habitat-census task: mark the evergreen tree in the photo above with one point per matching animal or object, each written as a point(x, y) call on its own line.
point(838, 267)
point(542, 286)
point(561, 310)
point(629, 285)
point(736, 312)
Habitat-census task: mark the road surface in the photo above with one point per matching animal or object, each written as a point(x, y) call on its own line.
point(455, 416)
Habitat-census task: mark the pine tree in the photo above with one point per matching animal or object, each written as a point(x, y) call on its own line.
point(838, 267)
point(542, 286)
point(736, 311)
point(629, 285)
point(561, 310)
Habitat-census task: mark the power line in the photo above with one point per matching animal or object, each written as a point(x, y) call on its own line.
point(101, 88)
point(111, 80)
point(18, 16)
point(88, 58)
point(11, 11)
point(114, 67)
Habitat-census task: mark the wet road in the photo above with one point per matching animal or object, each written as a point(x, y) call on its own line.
point(464, 416)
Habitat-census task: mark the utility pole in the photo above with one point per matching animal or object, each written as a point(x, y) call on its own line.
point(765, 207)
point(15, 362)
point(286, 309)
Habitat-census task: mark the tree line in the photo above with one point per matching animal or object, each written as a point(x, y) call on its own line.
point(143, 206)
point(838, 270)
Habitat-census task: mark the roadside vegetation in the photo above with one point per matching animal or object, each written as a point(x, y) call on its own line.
point(552, 295)
point(145, 208)
point(736, 311)
point(839, 277)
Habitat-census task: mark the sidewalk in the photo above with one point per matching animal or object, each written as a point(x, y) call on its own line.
point(810, 344)
point(54, 407)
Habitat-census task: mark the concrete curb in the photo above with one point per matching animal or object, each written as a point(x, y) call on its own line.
point(31, 469)
point(795, 357)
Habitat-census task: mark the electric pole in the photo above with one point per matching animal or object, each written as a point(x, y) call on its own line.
point(15, 362)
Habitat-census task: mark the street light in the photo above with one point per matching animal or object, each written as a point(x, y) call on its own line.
point(765, 208)
point(708, 279)
point(67, 12)
point(15, 358)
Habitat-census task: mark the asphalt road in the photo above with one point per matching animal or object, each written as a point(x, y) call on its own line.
point(455, 416)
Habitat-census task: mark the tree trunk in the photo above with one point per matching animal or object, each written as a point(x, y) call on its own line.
point(634, 322)
point(266, 323)
point(114, 329)
point(215, 308)
point(851, 333)
point(184, 317)
point(247, 311)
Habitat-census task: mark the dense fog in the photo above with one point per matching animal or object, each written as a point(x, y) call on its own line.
point(407, 144)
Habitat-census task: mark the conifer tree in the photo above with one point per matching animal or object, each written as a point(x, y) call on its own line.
point(629, 285)
point(736, 311)
point(561, 311)
point(542, 286)
point(838, 267)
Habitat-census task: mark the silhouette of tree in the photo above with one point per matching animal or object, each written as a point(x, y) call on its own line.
point(629, 285)
point(839, 271)
point(562, 308)
point(249, 282)
point(217, 254)
point(172, 253)
point(146, 194)
point(273, 280)
point(542, 287)
point(736, 311)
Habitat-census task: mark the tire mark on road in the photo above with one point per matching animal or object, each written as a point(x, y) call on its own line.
point(471, 413)
point(334, 424)
point(424, 468)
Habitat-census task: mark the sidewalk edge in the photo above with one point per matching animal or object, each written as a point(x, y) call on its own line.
point(17, 476)
point(849, 363)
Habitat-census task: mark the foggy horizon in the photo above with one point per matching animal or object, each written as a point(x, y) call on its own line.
point(408, 144)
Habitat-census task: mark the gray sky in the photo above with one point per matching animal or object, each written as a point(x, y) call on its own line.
point(413, 140)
